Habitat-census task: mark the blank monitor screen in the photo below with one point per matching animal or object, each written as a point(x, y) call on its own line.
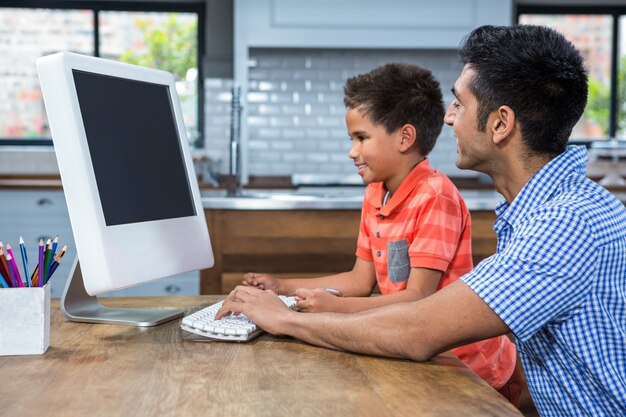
point(135, 149)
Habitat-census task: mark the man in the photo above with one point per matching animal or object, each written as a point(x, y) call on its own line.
point(558, 278)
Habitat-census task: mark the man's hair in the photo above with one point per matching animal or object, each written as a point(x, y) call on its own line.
point(535, 71)
point(396, 94)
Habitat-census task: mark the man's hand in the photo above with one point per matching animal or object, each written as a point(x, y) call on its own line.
point(263, 307)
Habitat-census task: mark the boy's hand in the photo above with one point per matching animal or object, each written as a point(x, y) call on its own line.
point(262, 281)
point(316, 300)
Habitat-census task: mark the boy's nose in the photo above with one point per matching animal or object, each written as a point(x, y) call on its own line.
point(352, 153)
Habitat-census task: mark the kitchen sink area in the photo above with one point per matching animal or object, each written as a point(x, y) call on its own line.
point(302, 198)
point(319, 198)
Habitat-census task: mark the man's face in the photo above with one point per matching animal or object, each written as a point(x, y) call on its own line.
point(473, 147)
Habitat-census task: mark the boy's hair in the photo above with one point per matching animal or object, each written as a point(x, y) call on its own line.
point(535, 71)
point(397, 94)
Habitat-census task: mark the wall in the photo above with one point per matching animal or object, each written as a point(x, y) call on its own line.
point(397, 29)
point(296, 113)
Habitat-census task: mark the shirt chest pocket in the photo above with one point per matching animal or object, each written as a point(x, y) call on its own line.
point(399, 266)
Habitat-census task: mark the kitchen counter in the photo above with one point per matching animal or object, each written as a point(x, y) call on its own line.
point(345, 197)
point(321, 198)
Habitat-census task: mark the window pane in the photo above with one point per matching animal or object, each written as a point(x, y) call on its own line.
point(167, 41)
point(25, 35)
point(592, 35)
point(621, 80)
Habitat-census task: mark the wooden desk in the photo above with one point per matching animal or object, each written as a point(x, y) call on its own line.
point(107, 370)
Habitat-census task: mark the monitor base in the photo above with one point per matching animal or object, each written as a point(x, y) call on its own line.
point(78, 305)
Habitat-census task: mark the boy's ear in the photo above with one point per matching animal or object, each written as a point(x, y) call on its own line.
point(503, 124)
point(408, 136)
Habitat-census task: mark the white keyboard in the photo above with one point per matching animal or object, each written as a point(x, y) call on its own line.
point(232, 328)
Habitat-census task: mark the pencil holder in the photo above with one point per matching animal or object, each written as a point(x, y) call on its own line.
point(24, 320)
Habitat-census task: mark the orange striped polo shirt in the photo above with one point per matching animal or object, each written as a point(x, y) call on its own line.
point(427, 216)
point(426, 224)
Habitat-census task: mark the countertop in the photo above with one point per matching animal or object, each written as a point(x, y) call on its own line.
point(285, 197)
point(331, 198)
point(321, 198)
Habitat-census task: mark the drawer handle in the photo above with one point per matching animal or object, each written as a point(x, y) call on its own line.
point(43, 202)
point(172, 289)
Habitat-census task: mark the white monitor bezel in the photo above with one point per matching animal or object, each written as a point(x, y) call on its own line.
point(119, 256)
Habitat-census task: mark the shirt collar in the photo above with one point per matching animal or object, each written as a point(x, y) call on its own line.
point(544, 183)
point(420, 171)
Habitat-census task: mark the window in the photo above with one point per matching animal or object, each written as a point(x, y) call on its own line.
point(166, 36)
point(596, 32)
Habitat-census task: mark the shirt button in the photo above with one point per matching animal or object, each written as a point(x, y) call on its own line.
point(378, 254)
point(377, 234)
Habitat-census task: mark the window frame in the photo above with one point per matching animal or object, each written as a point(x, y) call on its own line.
point(96, 7)
point(615, 12)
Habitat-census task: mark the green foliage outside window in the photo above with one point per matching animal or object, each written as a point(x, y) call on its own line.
point(598, 102)
point(171, 46)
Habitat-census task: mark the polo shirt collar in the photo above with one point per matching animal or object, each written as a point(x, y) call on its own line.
point(419, 172)
point(544, 184)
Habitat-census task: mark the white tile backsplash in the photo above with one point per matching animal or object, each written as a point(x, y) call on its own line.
point(295, 107)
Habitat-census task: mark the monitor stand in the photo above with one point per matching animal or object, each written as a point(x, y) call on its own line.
point(77, 305)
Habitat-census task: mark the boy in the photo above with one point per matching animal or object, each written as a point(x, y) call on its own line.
point(414, 236)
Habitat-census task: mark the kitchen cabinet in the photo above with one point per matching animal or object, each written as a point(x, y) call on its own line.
point(42, 214)
point(290, 242)
point(363, 23)
point(34, 215)
point(297, 243)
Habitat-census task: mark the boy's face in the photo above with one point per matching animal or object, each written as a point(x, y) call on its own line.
point(373, 149)
point(472, 146)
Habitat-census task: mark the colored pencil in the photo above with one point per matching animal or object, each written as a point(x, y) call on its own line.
point(25, 262)
point(3, 282)
point(11, 273)
point(53, 267)
point(4, 266)
point(55, 243)
point(34, 277)
point(61, 252)
point(13, 264)
point(56, 262)
point(46, 262)
point(40, 264)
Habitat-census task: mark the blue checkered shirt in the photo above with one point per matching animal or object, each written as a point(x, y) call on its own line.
point(558, 280)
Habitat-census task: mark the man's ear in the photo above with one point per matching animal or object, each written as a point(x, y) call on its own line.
point(408, 136)
point(502, 124)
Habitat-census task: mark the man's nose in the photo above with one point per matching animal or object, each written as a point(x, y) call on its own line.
point(448, 118)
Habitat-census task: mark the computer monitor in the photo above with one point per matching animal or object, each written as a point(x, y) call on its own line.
point(128, 178)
